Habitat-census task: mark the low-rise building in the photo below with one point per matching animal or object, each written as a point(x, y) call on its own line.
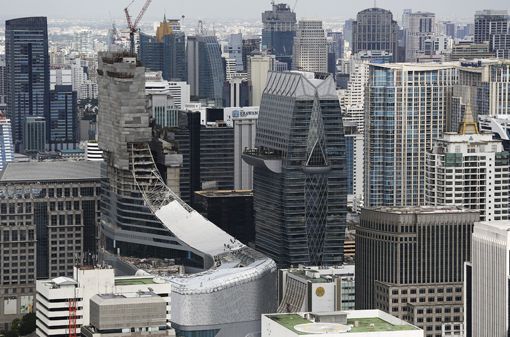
point(129, 314)
point(357, 323)
point(63, 299)
point(318, 289)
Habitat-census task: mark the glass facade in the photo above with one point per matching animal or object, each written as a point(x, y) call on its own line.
point(375, 29)
point(300, 207)
point(28, 73)
point(167, 55)
point(406, 113)
point(278, 32)
point(63, 121)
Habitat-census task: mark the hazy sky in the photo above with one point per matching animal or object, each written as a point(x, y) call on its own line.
point(249, 9)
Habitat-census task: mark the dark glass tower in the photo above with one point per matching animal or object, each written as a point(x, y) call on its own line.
point(375, 29)
point(166, 53)
point(63, 118)
point(299, 171)
point(206, 75)
point(28, 73)
point(278, 32)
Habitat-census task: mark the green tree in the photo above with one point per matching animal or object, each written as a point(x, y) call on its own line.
point(11, 333)
point(27, 325)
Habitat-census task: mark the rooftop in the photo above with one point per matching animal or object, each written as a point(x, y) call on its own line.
point(51, 171)
point(134, 281)
point(357, 322)
point(225, 193)
point(421, 209)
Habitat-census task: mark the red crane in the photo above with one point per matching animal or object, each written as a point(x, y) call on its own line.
point(133, 26)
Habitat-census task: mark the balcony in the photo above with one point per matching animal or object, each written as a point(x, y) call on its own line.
point(268, 159)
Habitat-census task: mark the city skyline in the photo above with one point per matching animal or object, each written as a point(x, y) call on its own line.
point(98, 10)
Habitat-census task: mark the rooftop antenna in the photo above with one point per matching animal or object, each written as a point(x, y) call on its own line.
point(295, 4)
point(375, 3)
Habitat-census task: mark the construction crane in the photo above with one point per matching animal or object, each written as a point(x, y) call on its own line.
point(133, 26)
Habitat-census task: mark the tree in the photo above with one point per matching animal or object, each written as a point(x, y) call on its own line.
point(27, 325)
point(11, 333)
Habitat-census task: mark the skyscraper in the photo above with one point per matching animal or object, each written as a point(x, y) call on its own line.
point(410, 263)
point(470, 170)
point(299, 178)
point(485, 86)
point(235, 50)
point(63, 118)
point(6, 145)
point(490, 22)
point(279, 29)
point(28, 73)
point(375, 29)
point(34, 134)
point(400, 128)
point(206, 75)
point(165, 52)
point(420, 26)
point(310, 47)
point(258, 68)
point(142, 217)
point(3, 87)
point(490, 289)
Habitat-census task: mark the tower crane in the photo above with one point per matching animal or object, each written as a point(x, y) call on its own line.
point(133, 26)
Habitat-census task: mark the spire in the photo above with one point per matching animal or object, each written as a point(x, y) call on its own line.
point(468, 125)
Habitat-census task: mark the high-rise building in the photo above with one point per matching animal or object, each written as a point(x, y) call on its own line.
point(470, 170)
point(278, 32)
point(231, 210)
point(352, 99)
point(338, 39)
point(299, 178)
point(468, 50)
point(50, 214)
point(35, 135)
point(400, 128)
point(354, 155)
point(3, 85)
point(217, 157)
point(487, 314)
point(234, 49)
point(63, 118)
point(410, 263)
point(310, 47)
point(28, 72)
point(258, 68)
point(245, 128)
point(6, 144)
point(160, 101)
point(251, 46)
point(501, 45)
point(375, 29)
point(490, 22)
point(142, 217)
point(205, 68)
point(485, 86)
point(420, 27)
point(236, 92)
point(165, 52)
point(347, 30)
point(180, 92)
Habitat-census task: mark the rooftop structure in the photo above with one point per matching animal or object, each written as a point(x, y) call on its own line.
point(359, 323)
point(50, 170)
point(317, 289)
